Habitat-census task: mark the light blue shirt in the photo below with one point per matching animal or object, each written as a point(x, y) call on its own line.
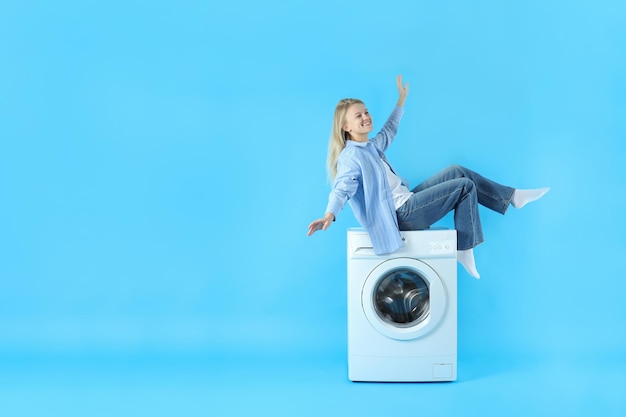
point(361, 179)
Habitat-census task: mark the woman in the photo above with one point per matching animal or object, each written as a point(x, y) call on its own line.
point(381, 199)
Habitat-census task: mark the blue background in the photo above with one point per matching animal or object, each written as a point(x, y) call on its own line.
point(160, 161)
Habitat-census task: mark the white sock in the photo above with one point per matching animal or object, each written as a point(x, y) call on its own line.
point(466, 258)
point(523, 197)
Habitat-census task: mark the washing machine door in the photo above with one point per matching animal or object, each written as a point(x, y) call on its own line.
point(404, 298)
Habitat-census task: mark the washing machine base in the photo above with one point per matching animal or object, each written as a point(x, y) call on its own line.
point(402, 368)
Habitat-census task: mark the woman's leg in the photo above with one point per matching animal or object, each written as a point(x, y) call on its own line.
point(429, 205)
point(460, 189)
point(490, 194)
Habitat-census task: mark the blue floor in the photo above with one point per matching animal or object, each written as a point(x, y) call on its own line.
point(312, 385)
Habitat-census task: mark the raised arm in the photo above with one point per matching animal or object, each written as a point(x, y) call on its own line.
point(383, 139)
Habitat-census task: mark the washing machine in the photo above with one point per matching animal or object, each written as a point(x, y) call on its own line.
point(402, 308)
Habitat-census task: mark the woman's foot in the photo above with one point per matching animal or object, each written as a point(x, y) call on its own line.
point(523, 197)
point(466, 258)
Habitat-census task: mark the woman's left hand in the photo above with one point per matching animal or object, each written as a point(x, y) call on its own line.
point(321, 224)
point(403, 90)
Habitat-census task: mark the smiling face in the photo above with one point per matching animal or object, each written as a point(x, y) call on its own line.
point(358, 122)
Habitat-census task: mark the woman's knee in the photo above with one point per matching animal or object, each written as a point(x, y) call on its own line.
point(458, 169)
point(453, 171)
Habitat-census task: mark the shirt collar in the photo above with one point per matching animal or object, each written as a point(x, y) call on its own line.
point(355, 143)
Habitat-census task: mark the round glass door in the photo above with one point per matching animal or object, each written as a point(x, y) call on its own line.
point(404, 298)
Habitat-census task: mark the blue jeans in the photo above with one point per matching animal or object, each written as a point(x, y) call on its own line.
point(459, 189)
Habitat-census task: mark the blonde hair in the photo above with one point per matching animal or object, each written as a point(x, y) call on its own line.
point(338, 136)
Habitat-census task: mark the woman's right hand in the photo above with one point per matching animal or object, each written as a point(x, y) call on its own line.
point(403, 90)
point(321, 224)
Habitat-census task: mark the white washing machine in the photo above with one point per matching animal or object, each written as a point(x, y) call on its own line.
point(402, 308)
